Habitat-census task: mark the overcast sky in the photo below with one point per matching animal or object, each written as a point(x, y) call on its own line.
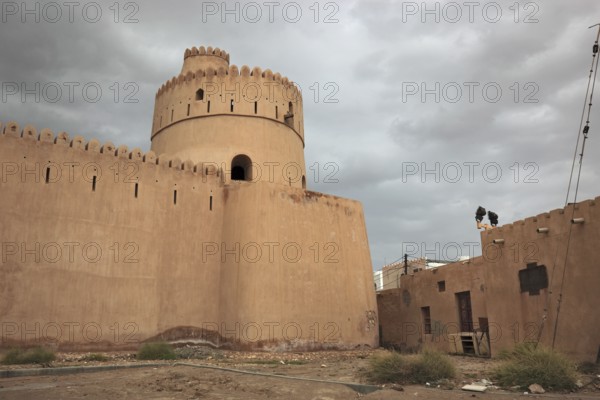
point(486, 96)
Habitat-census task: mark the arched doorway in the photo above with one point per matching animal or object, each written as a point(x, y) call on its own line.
point(241, 168)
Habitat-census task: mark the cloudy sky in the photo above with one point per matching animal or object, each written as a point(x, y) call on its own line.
point(421, 111)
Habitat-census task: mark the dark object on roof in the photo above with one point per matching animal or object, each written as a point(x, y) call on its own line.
point(479, 214)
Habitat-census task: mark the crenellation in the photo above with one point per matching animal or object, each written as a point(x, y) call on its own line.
point(234, 71)
point(62, 139)
point(93, 146)
point(108, 148)
point(122, 151)
point(245, 71)
point(46, 136)
point(136, 154)
point(12, 129)
point(78, 142)
point(29, 133)
point(150, 158)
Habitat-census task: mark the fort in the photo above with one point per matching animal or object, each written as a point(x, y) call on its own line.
point(211, 236)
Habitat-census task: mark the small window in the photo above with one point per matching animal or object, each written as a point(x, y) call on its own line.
point(135, 191)
point(172, 113)
point(47, 174)
point(208, 107)
point(174, 197)
point(256, 107)
point(426, 315)
point(199, 95)
point(188, 110)
point(94, 183)
point(276, 112)
point(441, 286)
point(231, 105)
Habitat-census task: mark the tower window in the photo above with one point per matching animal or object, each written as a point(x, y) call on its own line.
point(188, 111)
point(172, 112)
point(208, 107)
point(231, 105)
point(276, 112)
point(199, 95)
point(255, 107)
point(241, 168)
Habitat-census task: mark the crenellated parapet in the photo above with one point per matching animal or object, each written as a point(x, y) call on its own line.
point(197, 58)
point(229, 91)
point(549, 224)
point(29, 134)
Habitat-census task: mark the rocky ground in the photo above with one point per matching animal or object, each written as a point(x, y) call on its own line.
point(184, 382)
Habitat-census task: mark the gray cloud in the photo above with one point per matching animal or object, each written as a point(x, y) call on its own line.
point(371, 135)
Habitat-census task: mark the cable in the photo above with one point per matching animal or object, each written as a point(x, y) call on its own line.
point(594, 52)
point(585, 136)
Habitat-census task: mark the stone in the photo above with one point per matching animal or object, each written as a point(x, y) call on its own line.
point(536, 389)
point(474, 388)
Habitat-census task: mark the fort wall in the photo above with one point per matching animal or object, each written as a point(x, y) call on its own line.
point(105, 247)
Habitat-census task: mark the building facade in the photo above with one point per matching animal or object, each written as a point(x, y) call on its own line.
point(211, 236)
point(536, 281)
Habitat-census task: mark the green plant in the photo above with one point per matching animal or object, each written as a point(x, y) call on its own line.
point(156, 351)
point(393, 367)
point(35, 355)
point(386, 368)
point(527, 364)
point(431, 366)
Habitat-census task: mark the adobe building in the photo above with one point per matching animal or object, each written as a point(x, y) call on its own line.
point(211, 236)
point(537, 281)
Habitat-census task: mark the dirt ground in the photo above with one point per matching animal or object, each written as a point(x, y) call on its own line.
point(185, 382)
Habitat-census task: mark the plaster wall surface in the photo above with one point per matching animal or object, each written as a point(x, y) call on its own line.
point(153, 247)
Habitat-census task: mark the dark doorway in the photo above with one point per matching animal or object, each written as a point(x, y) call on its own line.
point(238, 173)
point(465, 314)
point(241, 168)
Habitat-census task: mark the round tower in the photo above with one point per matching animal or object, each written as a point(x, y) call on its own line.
point(247, 122)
